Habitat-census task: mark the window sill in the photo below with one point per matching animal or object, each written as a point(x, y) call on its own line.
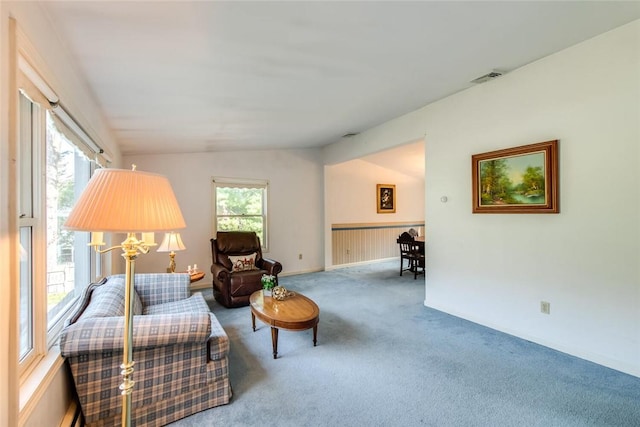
point(37, 382)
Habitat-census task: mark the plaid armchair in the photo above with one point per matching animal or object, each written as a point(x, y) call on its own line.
point(179, 348)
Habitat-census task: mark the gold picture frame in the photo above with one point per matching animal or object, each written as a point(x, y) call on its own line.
point(386, 198)
point(521, 179)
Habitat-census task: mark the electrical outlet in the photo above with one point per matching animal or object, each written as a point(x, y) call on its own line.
point(545, 307)
point(299, 256)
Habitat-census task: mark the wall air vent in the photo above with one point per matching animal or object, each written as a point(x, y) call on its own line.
point(489, 76)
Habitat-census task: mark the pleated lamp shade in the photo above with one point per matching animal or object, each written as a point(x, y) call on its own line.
point(171, 242)
point(126, 201)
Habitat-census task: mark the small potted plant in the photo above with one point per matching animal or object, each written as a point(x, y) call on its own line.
point(268, 283)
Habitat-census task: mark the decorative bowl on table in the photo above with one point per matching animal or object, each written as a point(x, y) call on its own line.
point(280, 293)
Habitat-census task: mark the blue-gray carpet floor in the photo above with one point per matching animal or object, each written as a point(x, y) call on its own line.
point(384, 359)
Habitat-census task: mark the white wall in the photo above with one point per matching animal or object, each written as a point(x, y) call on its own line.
point(350, 197)
point(54, 402)
point(295, 204)
point(351, 190)
point(495, 269)
point(8, 364)
point(584, 261)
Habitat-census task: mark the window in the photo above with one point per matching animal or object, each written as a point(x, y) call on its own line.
point(67, 173)
point(55, 264)
point(26, 302)
point(26, 223)
point(240, 205)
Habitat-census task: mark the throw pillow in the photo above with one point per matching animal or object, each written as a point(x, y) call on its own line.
point(243, 262)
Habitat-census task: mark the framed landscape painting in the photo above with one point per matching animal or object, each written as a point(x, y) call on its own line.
point(386, 198)
point(516, 180)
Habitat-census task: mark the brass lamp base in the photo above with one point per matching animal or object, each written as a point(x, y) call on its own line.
point(172, 263)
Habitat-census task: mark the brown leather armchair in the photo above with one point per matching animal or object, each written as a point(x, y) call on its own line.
point(238, 266)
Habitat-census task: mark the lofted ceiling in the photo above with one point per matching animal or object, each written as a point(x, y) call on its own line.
point(199, 76)
point(407, 159)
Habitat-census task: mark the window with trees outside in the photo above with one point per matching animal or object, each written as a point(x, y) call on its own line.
point(55, 264)
point(241, 205)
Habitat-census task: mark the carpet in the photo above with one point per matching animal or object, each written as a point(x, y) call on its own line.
point(384, 359)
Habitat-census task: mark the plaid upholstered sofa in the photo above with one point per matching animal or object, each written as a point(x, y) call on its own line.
point(179, 348)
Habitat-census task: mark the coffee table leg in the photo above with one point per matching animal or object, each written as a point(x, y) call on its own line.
point(274, 341)
point(315, 335)
point(253, 321)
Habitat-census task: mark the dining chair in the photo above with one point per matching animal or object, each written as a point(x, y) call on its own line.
point(407, 251)
point(419, 262)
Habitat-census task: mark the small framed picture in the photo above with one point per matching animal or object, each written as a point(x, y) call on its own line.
point(386, 198)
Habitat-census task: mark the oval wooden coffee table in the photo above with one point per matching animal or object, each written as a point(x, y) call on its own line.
point(295, 313)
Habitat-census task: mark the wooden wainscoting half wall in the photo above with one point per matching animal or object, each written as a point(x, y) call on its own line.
point(360, 242)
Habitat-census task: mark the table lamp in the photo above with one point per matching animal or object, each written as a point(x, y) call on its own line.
point(126, 201)
point(172, 242)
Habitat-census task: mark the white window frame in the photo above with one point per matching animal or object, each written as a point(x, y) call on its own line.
point(29, 216)
point(82, 239)
point(31, 132)
point(243, 183)
point(32, 164)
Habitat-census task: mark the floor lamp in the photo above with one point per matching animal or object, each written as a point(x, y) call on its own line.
point(126, 201)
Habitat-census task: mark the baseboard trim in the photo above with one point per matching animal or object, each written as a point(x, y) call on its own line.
point(73, 416)
point(355, 264)
point(295, 273)
point(201, 286)
point(572, 351)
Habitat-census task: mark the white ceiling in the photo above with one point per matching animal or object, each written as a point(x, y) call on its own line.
point(194, 76)
point(407, 159)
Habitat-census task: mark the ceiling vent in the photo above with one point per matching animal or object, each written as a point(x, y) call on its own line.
point(489, 76)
